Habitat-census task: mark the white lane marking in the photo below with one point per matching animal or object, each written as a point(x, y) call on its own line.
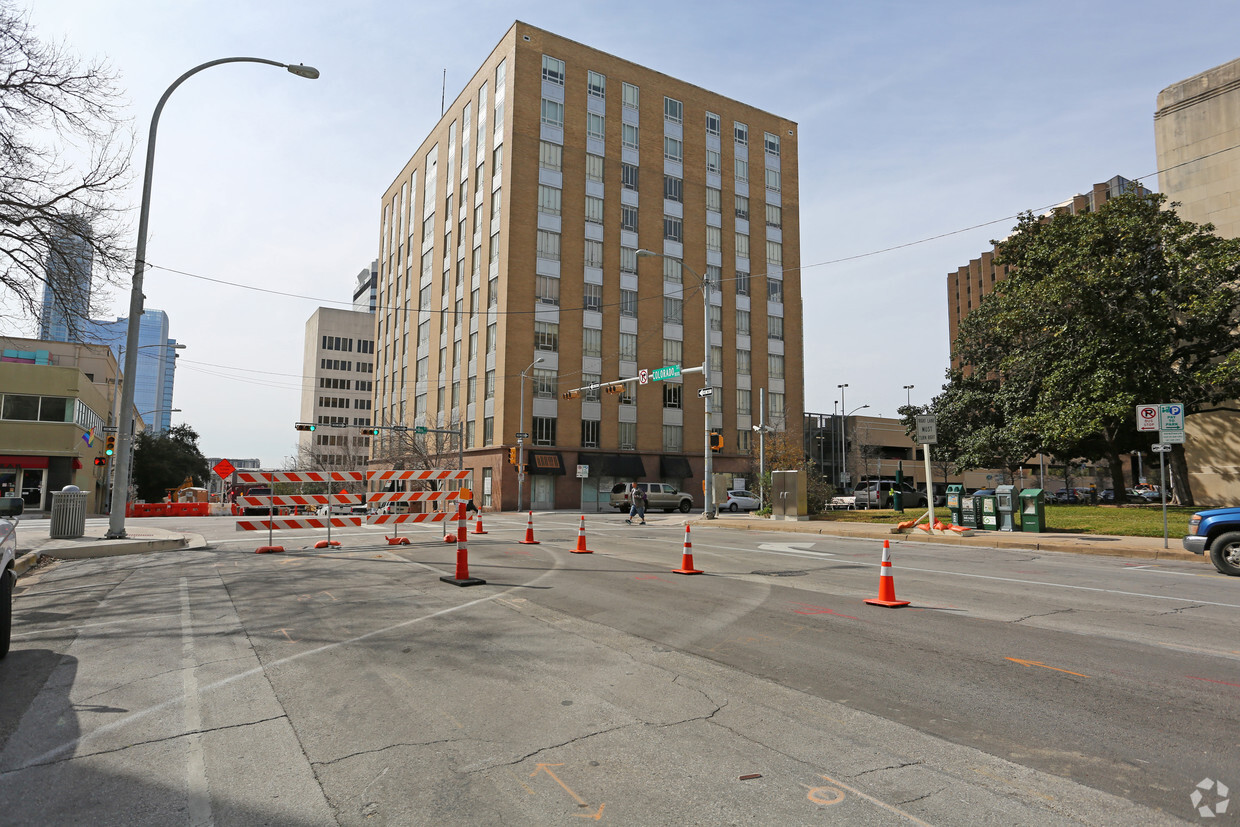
point(792, 547)
point(76, 629)
point(196, 763)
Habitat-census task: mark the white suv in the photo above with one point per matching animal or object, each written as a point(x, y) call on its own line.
point(658, 495)
point(10, 509)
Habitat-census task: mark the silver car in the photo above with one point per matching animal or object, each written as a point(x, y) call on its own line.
point(10, 509)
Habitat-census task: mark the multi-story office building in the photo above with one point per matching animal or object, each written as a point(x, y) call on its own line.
point(156, 367)
point(364, 291)
point(1197, 132)
point(66, 293)
point(509, 274)
point(337, 389)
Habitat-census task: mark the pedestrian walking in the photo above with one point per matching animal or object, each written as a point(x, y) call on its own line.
point(637, 507)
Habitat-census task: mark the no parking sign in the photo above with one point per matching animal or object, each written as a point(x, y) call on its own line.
point(1147, 417)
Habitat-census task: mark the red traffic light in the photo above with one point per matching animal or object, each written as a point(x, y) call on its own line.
point(101, 461)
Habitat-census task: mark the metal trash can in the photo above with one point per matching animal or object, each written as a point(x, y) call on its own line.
point(68, 513)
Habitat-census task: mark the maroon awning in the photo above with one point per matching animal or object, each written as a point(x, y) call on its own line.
point(22, 462)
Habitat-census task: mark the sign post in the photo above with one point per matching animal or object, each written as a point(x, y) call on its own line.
point(583, 471)
point(927, 435)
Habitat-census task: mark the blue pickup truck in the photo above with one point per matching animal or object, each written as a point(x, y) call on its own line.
point(1217, 532)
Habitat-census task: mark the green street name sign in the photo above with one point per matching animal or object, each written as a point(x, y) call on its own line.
point(420, 429)
point(669, 372)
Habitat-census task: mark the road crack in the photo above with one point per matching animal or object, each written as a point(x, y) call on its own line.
point(1043, 614)
point(901, 766)
point(377, 750)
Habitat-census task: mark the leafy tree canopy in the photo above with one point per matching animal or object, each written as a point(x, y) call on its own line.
point(163, 460)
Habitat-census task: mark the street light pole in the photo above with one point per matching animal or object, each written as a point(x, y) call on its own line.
point(843, 439)
point(521, 441)
point(908, 396)
point(120, 484)
point(844, 425)
point(708, 501)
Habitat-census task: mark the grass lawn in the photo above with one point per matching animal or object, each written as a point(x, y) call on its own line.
point(1124, 521)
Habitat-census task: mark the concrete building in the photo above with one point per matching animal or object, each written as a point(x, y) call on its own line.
point(55, 400)
point(1197, 133)
point(337, 390)
point(509, 274)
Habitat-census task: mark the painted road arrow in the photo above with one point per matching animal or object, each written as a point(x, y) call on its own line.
point(1044, 666)
point(791, 547)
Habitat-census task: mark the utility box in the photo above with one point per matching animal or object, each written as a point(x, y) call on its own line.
point(955, 497)
point(788, 497)
point(1009, 519)
point(1032, 510)
point(986, 509)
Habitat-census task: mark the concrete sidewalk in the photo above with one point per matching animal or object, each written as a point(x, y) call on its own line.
point(1145, 548)
point(34, 540)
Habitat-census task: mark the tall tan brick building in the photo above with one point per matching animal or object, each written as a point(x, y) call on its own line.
point(509, 244)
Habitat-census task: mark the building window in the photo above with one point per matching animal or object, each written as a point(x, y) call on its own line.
point(545, 382)
point(772, 180)
point(589, 433)
point(743, 363)
point(672, 271)
point(740, 133)
point(714, 161)
point(775, 366)
point(629, 136)
point(771, 143)
point(774, 254)
point(497, 154)
point(775, 327)
point(488, 387)
point(546, 336)
point(548, 245)
point(673, 228)
point(488, 436)
point(628, 260)
point(673, 310)
point(714, 199)
point(716, 317)
point(548, 200)
point(671, 394)
point(553, 71)
point(742, 402)
point(550, 156)
point(591, 342)
point(629, 95)
point(497, 203)
point(776, 403)
point(740, 169)
point(673, 110)
point(486, 474)
point(547, 290)
point(673, 150)
point(594, 168)
point(742, 207)
point(742, 322)
point(716, 367)
point(596, 85)
point(673, 188)
point(592, 297)
point(593, 253)
point(742, 441)
point(491, 337)
point(712, 124)
point(552, 113)
point(596, 126)
point(594, 210)
point(742, 251)
point(628, 347)
point(628, 392)
point(544, 430)
point(673, 438)
point(714, 238)
point(628, 176)
point(673, 352)
point(628, 303)
point(774, 216)
point(775, 290)
point(742, 282)
point(628, 218)
point(591, 394)
point(628, 436)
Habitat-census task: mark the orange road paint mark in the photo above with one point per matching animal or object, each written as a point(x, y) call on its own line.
point(545, 768)
point(874, 801)
point(285, 633)
point(815, 792)
point(528, 789)
point(329, 594)
point(810, 609)
point(595, 816)
point(1044, 666)
point(1211, 680)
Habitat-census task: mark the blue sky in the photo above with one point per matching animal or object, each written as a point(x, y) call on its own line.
point(916, 120)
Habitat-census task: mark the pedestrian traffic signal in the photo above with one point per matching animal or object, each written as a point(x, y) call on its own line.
point(512, 456)
point(101, 461)
point(716, 442)
point(109, 445)
point(304, 426)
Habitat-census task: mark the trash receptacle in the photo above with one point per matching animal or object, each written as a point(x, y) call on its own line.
point(1007, 507)
point(955, 494)
point(987, 512)
point(1032, 510)
point(68, 513)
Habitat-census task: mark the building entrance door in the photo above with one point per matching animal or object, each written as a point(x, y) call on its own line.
point(542, 492)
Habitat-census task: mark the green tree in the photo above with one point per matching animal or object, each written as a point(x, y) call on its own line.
point(163, 460)
point(1102, 311)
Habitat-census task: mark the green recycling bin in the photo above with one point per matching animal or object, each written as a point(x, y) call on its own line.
point(955, 495)
point(1032, 510)
point(987, 510)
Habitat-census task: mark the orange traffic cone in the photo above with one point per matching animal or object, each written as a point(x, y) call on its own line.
point(529, 532)
point(462, 577)
point(478, 526)
point(686, 559)
point(581, 538)
point(887, 583)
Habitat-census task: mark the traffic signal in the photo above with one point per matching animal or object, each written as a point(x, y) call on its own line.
point(512, 456)
point(101, 461)
point(615, 388)
point(109, 445)
point(570, 395)
point(370, 431)
point(716, 442)
point(304, 426)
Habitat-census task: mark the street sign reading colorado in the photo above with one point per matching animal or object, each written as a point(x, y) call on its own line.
point(669, 372)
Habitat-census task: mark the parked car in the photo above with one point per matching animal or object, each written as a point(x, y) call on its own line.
point(10, 509)
point(879, 495)
point(658, 494)
point(1106, 495)
point(1216, 531)
point(739, 501)
point(1064, 496)
point(983, 492)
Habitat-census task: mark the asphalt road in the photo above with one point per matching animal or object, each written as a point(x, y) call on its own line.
point(352, 686)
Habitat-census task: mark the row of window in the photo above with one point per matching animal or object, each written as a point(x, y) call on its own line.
point(342, 402)
point(346, 344)
point(358, 421)
point(345, 365)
